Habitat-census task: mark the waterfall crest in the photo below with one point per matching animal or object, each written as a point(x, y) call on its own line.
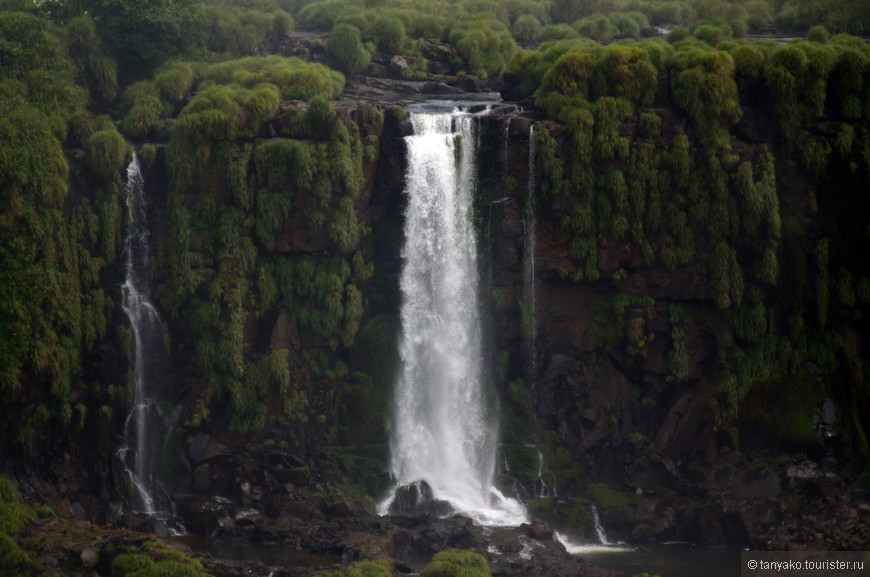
point(443, 432)
point(137, 452)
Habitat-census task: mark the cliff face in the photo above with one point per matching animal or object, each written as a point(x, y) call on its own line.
point(633, 370)
point(649, 363)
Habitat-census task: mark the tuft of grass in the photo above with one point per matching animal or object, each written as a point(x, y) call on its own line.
point(107, 154)
point(457, 564)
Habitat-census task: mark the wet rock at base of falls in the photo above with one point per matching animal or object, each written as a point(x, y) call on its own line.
point(417, 499)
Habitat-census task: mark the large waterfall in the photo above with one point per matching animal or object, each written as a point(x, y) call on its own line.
point(444, 432)
point(147, 347)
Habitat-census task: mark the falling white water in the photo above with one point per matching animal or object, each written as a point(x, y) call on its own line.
point(443, 431)
point(530, 320)
point(137, 454)
point(542, 483)
point(599, 528)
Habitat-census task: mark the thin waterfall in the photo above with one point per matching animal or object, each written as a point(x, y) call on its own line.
point(599, 528)
point(529, 311)
point(443, 431)
point(137, 452)
point(507, 129)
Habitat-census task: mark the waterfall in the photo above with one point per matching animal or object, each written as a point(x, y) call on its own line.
point(137, 452)
point(529, 307)
point(599, 528)
point(442, 430)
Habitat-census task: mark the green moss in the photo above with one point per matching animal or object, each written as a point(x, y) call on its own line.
point(15, 561)
point(571, 516)
point(457, 564)
point(611, 504)
point(14, 514)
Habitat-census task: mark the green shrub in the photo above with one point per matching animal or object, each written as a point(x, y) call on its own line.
point(484, 45)
point(673, 13)
point(711, 34)
point(388, 34)
point(626, 26)
point(457, 564)
point(678, 34)
point(818, 34)
point(369, 569)
point(146, 118)
point(558, 32)
point(749, 61)
point(650, 124)
point(297, 80)
point(320, 116)
point(322, 15)
point(107, 154)
point(174, 82)
point(597, 27)
point(235, 31)
point(14, 561)
point(282, 24)
point(527, 29)
point(14, 514)
point(122, 565)
point(80, 128)
point(347, 49)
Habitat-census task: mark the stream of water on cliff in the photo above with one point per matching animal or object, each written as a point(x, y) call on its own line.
point(530, 311)
point(137, 452)
point(443, 429)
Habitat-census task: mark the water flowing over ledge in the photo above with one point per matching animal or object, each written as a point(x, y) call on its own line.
point(443, 429)
point(137, 452)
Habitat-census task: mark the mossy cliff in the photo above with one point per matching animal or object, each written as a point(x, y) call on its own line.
point(700, 282)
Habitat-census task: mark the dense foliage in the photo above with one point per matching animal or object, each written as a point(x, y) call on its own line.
point(642, 150)
point(684, 190)
point(52, 249)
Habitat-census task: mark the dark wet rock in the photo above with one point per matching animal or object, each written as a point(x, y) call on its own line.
point(538, 530)
point(417, 499)
point(546, 559)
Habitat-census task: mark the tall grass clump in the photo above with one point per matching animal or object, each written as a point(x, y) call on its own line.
point(347, 48)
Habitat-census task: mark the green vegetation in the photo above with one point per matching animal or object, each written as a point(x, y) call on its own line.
point(457, 564)
point(156, 563)
point(647, 144)
point(698, 194)
point(14, 516)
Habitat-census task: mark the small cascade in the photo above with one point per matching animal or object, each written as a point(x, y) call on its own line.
point(147, 349)
point(599, 528)
point(507, 129)
point(543, 491)
point(529, 310)
point(443, 432)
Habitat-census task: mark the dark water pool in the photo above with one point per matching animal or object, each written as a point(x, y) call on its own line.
point(665, 560)
point(273, 555)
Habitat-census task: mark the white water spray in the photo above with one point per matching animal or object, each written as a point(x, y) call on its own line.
point(443, 432)
point(137, 454)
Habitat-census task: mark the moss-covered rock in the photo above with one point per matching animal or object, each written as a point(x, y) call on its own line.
point(457, 564)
